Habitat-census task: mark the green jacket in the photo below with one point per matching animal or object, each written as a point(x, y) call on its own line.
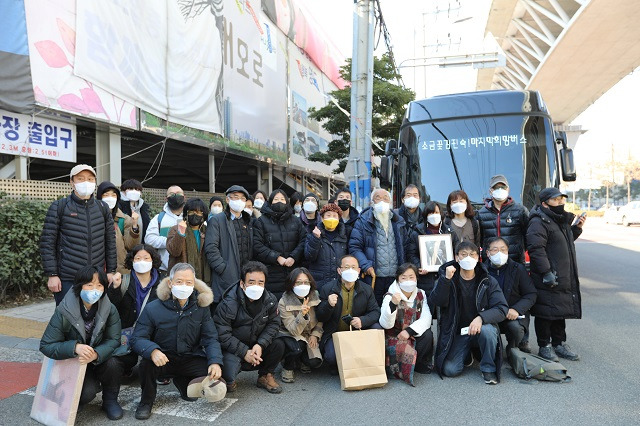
point(66, 328)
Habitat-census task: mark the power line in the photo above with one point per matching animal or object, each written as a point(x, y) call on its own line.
point(387, 41)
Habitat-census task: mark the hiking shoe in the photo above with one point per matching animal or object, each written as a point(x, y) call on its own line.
point(564, 351)
point(305, 369)
point(547, 352)
point(524, 347)
point(269, 383)
point(232, 387)
point(490, 378)
point(287, 376)
point(143, 412)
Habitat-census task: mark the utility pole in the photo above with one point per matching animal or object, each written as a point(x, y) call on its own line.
point(358, 168)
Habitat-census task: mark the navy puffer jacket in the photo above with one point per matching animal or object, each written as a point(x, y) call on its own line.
point(323, 254)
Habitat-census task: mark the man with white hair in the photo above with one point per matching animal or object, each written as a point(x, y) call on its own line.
point(378, 242)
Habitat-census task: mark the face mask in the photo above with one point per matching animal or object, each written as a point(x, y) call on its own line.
point(557, 209)
point(195, 220)
point(258, 203)
point(408, 286)
point(411, 202)
point(458, 208)
point(297, 208)
point(499, 258)
point(85, 189)
point(434, 219)
point(133, 195)
point(330, 223)
point(248, 210)
point(302, 290)
point(279, 207)
point(344, 205)
point(90, 296)
point(500, 194)
point(111, 201)
point(181, 291)
point(310, 206)
point(381, 207)
point(468, 263)
point(236, 205)
point(142, 266)
point(349, 275)
point(254, 292)
point(216, 209)
point(175, 201)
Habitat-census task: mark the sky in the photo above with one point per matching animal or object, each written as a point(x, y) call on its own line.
point(420, 28)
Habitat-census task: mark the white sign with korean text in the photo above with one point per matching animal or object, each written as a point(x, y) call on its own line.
point(37, 137)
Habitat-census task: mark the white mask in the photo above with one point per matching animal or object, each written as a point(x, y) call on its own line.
point(236, 205)
point(258, 203)
point(500, 194)
point(459, 207)
point(381, 207)
point(434, 219)
point(181, 292)
point(297, 208)
point(408, 286)
point(302, 290)
point(216, 209)
point(499, 258)
point(254, 292)
point(468, 263)
point(84, 189)
point(411, 202)
point(309, 206)
point(248, 210)
point(111, 201)
point(142, 266)
point(133, 194)
point(349, 275)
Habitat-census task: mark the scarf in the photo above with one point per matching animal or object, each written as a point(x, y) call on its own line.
point(141, 292)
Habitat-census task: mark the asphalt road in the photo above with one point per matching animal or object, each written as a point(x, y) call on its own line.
point(605, 388)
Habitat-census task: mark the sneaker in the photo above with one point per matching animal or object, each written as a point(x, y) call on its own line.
point(423, 368)
point(287, 376)
point(143, 412)
point(564, 351)
point(524, 347)
point(232, 387)
point(490, 378)
point(547, 352)
point(269, 383)
point(305, 369)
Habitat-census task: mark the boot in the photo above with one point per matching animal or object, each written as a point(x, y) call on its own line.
point(269, 383)
point(110, 404)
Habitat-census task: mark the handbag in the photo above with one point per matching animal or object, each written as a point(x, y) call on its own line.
point(126, 333)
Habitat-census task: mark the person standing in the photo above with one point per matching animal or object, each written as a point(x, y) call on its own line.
point(410, 209)
point(349, 214)
point(259, 198)
point(161, 223)
point(460, 220)
point(326, 245)
point(131, 201)
point(308, 215)
point(554, 269)
point(186, 240)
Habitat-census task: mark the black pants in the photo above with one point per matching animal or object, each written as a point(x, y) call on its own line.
point(107, 374)
point(302, 355)
point(550, 331)
point(382, 285)
point(513, 330)
point(527, 326)
point(183, 369)
point(271, 356)
point(424, 347)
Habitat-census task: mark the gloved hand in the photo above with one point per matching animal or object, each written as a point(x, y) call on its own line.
point(550, 279)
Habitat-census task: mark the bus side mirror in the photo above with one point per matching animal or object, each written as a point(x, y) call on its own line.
point(386, 171)
point(568, 165)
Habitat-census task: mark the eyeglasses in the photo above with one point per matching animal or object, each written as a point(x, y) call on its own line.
point(237, 197)
point(464, 254)
point(495, 250)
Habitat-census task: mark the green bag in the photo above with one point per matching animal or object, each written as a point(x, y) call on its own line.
point(529, 366)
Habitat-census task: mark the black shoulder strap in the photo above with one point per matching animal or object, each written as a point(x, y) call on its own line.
point(62, 203)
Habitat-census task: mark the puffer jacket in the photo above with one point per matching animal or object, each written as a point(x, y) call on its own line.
point(126, 241)
point(176, 330)
point(275, 236)
point(238, 330)
point(81, 235)
point(295, 325)
point(490, 303)
point(550, 241)
point(518, 290)
point(66, 328)
point(510, 223)
point(349, 224)
point(323, 254)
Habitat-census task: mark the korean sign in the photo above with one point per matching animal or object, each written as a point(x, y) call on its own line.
point(473, 143)
point(37, 137)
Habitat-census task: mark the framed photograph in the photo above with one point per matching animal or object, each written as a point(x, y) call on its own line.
point(435, 250)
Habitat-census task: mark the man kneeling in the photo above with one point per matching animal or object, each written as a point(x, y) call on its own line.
point(176, 337)
point(471, 305)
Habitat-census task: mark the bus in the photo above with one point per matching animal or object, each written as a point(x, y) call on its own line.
point(460, 141)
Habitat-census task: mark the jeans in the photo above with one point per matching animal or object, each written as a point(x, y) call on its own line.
point(107, 374)
point(66, 286)
point(271, 356)
point(486, 341)
point(550, 331)
point(514, 332)
point(329, 351)
point(182, 368)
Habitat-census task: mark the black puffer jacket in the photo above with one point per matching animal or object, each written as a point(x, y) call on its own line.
point(278, 235)
point(323, 254)
point(550, 241)
point(518, 287)
point(82, 235)
point(490, 303)
point(238, 330)
point(510, 223)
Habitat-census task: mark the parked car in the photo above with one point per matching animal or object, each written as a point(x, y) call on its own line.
point(612, 215)
point(630, 213)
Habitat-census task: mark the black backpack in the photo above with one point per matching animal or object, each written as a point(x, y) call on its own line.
point(529, 366)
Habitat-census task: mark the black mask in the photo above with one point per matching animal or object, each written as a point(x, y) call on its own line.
point(279, 207)
point(344, 205)
point(195, 220)
point(175, 201)
point(557, 209)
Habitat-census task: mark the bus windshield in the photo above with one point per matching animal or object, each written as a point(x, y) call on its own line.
point(446, 155)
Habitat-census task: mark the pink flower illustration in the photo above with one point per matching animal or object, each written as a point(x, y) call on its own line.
point(41, 98)
point(71, 102)
point(92, 101)
point(52, 53)
point(68, 36)
point(133, 118)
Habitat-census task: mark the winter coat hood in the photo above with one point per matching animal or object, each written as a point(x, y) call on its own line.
point(204, 293)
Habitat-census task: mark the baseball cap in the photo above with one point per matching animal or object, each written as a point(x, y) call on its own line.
point(498, 179)
point(549, 193)
point(80, 167)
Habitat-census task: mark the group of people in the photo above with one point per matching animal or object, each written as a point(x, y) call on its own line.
point(201, 292)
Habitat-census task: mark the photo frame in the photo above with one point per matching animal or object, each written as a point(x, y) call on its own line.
point(435, 250)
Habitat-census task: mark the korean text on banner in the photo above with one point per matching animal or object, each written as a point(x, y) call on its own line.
point(37, 137)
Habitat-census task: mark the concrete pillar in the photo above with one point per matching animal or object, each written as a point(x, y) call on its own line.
point(326, 189)
point(109, 155)
point(265, 178)
point(22, 171)
point(212, 172)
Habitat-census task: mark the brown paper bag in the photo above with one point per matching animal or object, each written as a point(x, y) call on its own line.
point(360, 355)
